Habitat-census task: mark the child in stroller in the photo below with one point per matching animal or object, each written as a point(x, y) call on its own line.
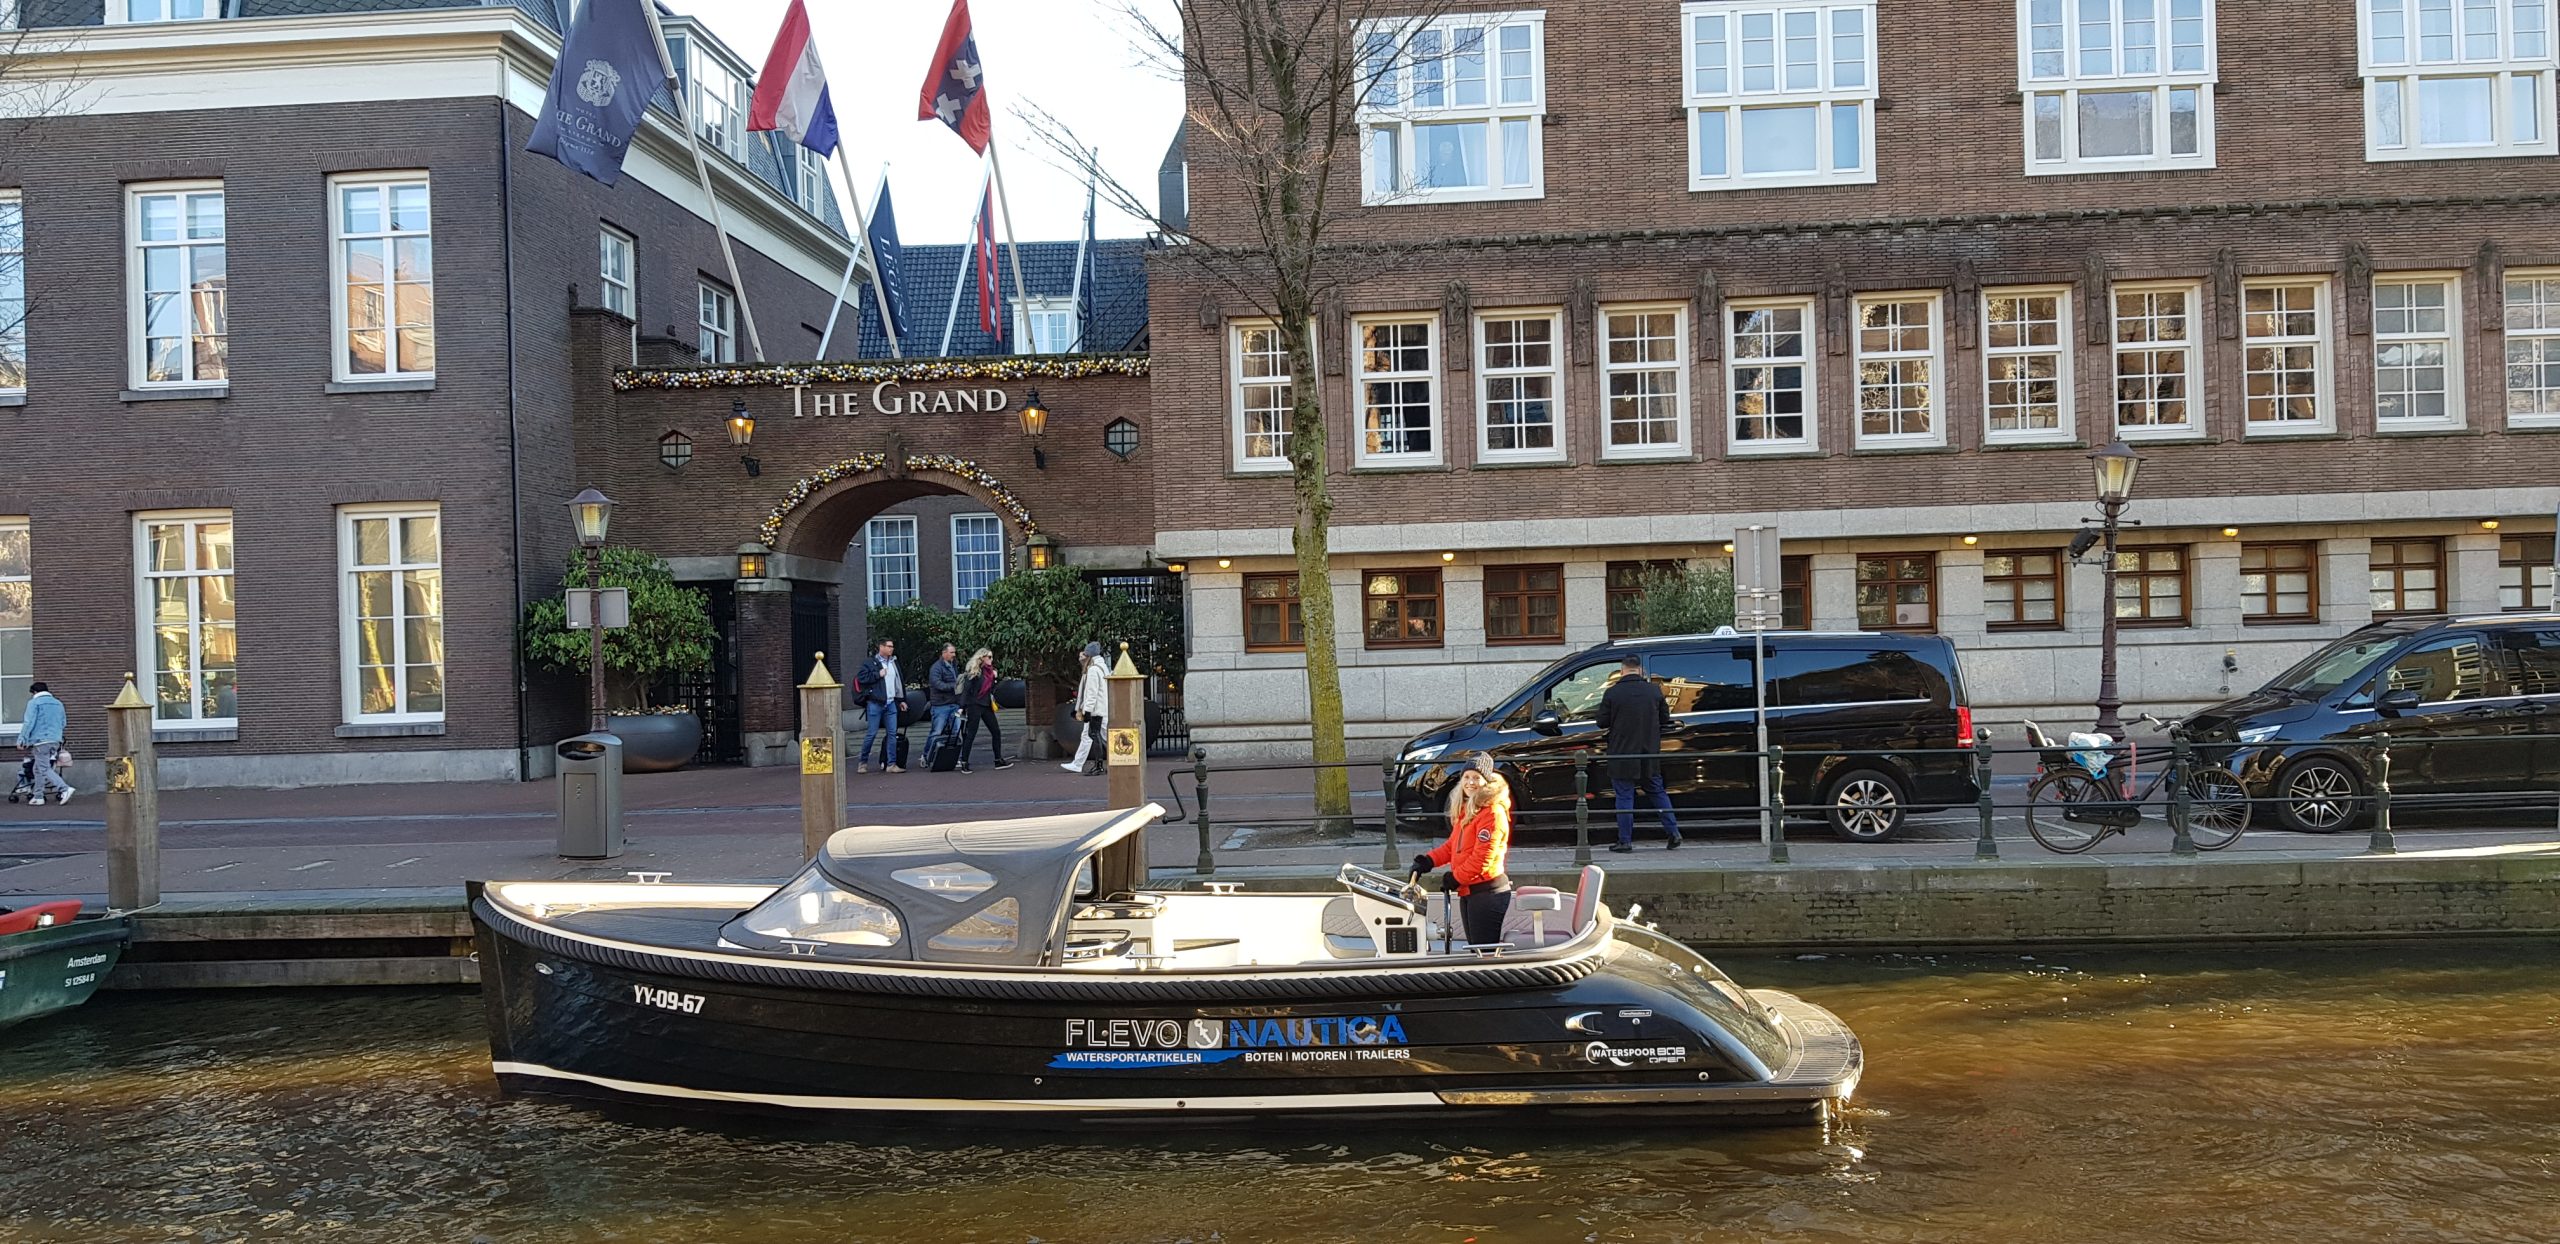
point(25, 789)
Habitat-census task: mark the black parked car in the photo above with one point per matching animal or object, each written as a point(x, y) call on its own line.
point(2462, 699)
point(1828, 693)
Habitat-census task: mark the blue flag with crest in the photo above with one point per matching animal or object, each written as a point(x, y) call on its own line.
point(886, 253)
point(609, 67)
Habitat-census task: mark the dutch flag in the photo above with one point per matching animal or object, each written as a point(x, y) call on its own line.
point(791, 93)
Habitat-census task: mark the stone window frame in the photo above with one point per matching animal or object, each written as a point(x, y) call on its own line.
point(2532, 340)
point(2449, 338)
point(2321, 341)
point(2392, 57)
point(1388, 114)
point(874, 561)
point(1434, 408)
point(1524, 595)
point(2053, 72)
point(146, 651)
point(1927, 579)
point(1404, 596)
point(1717, 97)
point(2522, 560)
point(1933, 387)
point(401, 568)
point(341, 329)
point(1292, 617)
point(2191, 344)
point(1487, 373)
point(1808, 361)
point(2397, 590)
point(1241, 436)
point(2066, 426)
point(2059, 576)
point(2259, 607)
point(138, 352)
point(2143, 576)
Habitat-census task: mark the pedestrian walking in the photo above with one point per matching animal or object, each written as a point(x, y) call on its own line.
point(942, 695)
point(884, 697)
point(978, 708)
point(1479, 838)
point(1633, 714)
point(40, 735)
point(1093, 704)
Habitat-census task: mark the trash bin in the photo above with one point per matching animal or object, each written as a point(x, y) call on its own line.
point(591, 797)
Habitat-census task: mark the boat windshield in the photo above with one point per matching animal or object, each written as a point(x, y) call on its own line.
point(815, 909)
point(2342, 662)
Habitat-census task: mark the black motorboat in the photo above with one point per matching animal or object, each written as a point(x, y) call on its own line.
point(965, 971)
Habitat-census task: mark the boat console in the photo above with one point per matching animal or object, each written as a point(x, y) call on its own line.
point(1390, 910)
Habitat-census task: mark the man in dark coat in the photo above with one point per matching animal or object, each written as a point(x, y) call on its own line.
point(1633, 714)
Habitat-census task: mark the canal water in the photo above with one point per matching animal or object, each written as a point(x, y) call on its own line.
point(2318, 1096)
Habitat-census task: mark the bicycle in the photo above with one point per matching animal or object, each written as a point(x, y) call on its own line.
point(2070, 809)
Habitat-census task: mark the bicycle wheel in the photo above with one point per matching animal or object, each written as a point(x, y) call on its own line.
point(2045, 800)
point(2217, 807)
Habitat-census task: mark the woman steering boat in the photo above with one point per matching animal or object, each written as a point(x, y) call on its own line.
point(963, 971)
point(1479, 838)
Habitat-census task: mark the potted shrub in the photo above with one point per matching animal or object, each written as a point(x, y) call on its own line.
point(670, 636)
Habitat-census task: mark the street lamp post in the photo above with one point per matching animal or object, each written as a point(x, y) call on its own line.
point(591, 512)
point(2114, 467)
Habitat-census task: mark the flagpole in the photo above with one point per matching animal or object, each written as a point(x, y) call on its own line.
point(844, 284)
point(879, 289)
point(702, 172)
point(960, 282)
point(1075, 291)
point(1013, 255)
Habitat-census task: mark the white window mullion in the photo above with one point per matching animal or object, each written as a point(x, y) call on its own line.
point(1452, 110)
point(889, 559)
point(17, 619)
point(2116, 85)
point(1644, 376)
point(187, 628)
point(391, 614)
point(977, 556)
point(2026, 361)
point(2158, 391)
point(178, 274)
point(13, 290)
point(2284, 341)
point(1769, 376)
point(1396, 391)
point(2417, 352)
point(383, 300)
point(716, 321)
point(1261, 396)
point(1519, 382)
point(1779, 95)
point(2456, 79)
point(1899, 372)
point(2533, 347)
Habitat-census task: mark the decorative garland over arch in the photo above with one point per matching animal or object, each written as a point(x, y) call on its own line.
point(770, 531)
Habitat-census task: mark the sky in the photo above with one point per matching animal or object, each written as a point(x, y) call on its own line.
point(1076, 58)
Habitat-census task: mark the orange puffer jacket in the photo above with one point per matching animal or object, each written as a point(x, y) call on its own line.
point(1474, 851)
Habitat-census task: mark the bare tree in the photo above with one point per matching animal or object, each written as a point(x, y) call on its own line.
point(38, 83)
point(1271, 90)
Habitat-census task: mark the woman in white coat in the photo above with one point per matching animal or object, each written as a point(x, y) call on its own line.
point(1093, 705)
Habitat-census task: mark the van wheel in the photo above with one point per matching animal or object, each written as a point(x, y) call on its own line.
point(1864, 805)
point(2319, 795)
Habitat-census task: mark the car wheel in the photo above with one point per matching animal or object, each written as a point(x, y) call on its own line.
point(2319, 795)
point(1864, 805)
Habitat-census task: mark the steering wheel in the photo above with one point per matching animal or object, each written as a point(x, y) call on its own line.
point(1377, 885)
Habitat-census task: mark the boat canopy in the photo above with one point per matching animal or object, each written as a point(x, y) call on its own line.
point(976, 892)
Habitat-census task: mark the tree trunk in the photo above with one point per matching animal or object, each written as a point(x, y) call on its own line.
point(1312, 541)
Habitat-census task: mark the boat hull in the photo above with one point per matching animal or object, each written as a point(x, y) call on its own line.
point(1620, 1043)
point(57, 967)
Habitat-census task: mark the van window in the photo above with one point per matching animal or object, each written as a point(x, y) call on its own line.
point(2447, 670)
point(1577, 697)
point(1815, 676)
point(2533, 658)
point(1715, 680)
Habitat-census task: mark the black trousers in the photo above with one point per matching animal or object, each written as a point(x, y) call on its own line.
point(1095, 758)
point(1483, 913)
point(971, 717)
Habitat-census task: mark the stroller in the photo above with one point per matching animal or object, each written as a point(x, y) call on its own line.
point(25, 789)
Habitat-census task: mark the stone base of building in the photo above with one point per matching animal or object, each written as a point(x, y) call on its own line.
point(348, 768)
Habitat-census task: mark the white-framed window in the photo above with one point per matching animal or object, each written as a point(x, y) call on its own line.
point(178, 271)
point(2284, 352)
point(13, 290)
point(1451, 109)
point(1395, 382)
point(2533, 347)
point(2417, 351)
point(889, 559)
point(719, 96)
point(1519, 386)
point(1644, 377)
point(8, 14)
point(717, 318)
point(2159, 390)
point(126, 12)
point(385, 304)
point(2116, 85)
point(183, 596)
point(809, 188)
point(1768, 352)
point(1898, 371)
point(2026, 365)
point(2456, 79)
point(17, 619)
point(1779, 94)
point(617, 271)
point(391, 613)
point(1261, 395)
point(977, 556)
point(1046, 326)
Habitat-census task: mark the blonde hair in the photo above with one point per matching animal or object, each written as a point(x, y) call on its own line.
point(977, 662)
point(1490, 789)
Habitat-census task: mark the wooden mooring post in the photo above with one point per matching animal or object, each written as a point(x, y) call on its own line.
point(821, 743)
point(133, 803)
point(1121, 868)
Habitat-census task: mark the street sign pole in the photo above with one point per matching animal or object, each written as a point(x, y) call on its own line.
point(1755, 582)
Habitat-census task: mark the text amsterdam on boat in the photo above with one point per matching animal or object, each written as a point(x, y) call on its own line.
point(967, 970)
point(52, 957)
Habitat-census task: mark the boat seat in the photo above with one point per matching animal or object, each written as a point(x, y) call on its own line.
point(1586, 899)
point(1344, 936)
point(1538, 917)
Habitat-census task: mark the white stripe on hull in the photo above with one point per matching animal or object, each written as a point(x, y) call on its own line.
point(802, 1101)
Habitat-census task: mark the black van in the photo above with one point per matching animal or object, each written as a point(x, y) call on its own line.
point(1853, 691)
point(2471, 705)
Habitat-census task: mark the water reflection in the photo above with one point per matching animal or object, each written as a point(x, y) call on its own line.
point(2278, 1096)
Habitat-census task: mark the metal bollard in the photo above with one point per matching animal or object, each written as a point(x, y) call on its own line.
point(1777, 805)
point(1985, 847)
point(2381, 843)
point(1387, 771)
point(1581, 809)
point(2181, 812)
point(1208, 863)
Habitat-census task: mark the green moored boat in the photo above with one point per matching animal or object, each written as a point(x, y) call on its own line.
point(52, 957)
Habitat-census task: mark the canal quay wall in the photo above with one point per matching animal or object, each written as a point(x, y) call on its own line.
point(423, 936)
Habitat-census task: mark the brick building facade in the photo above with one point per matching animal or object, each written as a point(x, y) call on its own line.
point(1883, 274)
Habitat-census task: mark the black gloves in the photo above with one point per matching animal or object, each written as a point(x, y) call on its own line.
point(1422, 864)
